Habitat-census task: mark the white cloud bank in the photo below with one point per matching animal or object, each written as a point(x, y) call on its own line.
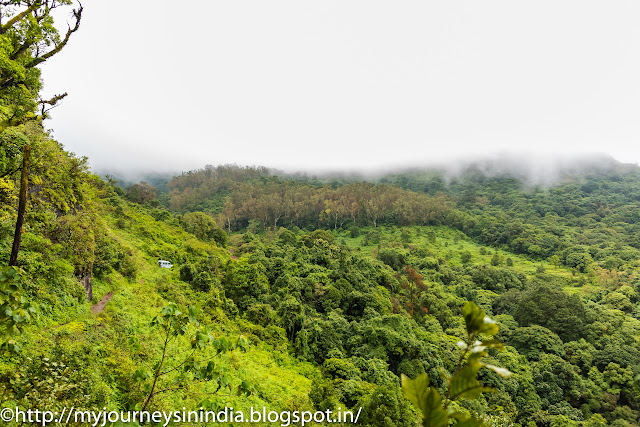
point(335, 84)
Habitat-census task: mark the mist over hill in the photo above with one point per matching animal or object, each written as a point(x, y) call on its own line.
point(533, 169)
point(530, 169)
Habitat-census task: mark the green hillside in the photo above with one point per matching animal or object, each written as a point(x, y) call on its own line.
point(319, 315)
point(91, 231)
point(476, 295)
point(554, 264)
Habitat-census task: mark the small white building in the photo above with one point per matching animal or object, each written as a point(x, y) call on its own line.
point(164, 264)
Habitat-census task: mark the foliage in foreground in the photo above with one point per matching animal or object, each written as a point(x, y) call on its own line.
point(463, 384)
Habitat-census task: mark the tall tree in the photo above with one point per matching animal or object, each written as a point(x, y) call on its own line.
point(414, 286)
point(22, 205)
point(141, 192)
point(28, 37)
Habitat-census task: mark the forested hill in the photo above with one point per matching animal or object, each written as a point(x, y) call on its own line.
point(474, 298)
point(554, 262)
point(588, 213)
point(321, 296)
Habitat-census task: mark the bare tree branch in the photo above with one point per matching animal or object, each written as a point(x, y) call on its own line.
point(19, 17)
point(178, 366)
point(185, 386)
point(77, 13)
point(52, 102)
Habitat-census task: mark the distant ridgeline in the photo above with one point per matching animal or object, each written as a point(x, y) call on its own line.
point(580, 212)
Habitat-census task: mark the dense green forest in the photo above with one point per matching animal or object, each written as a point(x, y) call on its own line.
point(419, 297)
point(553, 264)
point(329, 311)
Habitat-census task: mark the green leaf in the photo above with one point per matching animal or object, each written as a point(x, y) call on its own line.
point(243, 344)
point(465, 420)
point(493, 343)
point(134, 342)
point(471, 422)
point(434, 416)
point(443, 374)
point(489, 327)
point(225, 380)
point(208, 405)
point(415, 390)
point(464, 383)
point(473, 318)
point(245, 388)
point(425, 398)
point(477, 322)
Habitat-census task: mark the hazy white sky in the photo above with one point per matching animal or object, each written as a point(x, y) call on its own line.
point(357, 84)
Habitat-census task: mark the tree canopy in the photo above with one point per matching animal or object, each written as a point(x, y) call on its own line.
point(29, 37)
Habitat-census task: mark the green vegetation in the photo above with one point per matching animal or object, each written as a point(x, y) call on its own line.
point(555, 288)
point(298, 293)
point(464, 382)
point(330, 318)
point(324, 318)
point(69, 356)
point(28, 37)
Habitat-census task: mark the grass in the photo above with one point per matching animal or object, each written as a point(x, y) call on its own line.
point(449, 244)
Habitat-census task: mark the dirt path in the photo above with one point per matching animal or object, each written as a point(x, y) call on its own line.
point(95, 309)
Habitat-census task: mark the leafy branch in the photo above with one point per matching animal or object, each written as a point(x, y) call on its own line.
point(15, 310)
point(463, 384)
point(169, 375)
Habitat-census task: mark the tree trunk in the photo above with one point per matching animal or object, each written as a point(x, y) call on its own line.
point(87, 282)
point(22, 204)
